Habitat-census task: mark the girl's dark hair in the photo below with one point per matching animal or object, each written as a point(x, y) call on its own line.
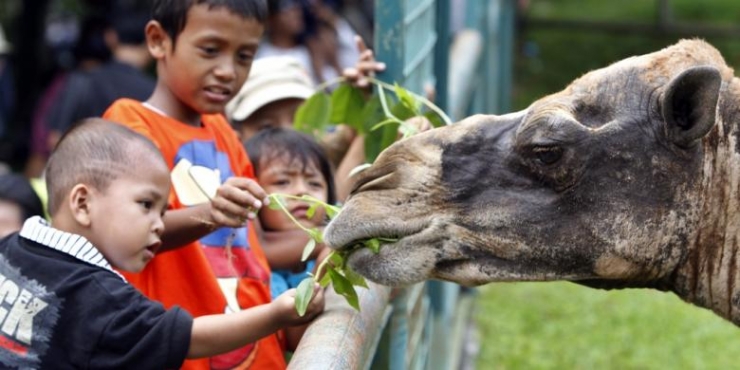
point(172, 14)
point(278, 141)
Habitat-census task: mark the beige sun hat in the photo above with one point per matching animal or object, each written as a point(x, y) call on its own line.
point(5, 46)
point(270, 79)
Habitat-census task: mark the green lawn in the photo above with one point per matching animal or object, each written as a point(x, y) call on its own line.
point(559, 325)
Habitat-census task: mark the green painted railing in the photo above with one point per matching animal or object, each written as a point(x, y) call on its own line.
point(422, 326)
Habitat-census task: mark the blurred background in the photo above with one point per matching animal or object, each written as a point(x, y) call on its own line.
point(549, 43)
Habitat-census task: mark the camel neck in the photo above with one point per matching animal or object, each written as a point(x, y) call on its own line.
point(710, 274)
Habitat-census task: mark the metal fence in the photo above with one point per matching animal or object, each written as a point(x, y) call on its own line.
point(463, 50)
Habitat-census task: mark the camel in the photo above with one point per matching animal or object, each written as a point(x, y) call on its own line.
point(628, 178)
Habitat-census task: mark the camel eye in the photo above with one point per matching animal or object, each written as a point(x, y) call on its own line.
point(548, 155)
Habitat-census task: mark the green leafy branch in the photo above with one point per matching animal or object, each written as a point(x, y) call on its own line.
point(335, 268)
point(378, 117)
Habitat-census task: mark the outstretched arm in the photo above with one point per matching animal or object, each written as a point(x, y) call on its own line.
point(283, 249)
point(216, 334)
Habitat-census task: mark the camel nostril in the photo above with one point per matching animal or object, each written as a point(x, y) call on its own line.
point(374, 178)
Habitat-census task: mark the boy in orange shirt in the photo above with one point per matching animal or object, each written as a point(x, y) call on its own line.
point(204, 50)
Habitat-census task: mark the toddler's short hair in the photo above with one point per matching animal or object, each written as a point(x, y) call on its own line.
point(94, 152)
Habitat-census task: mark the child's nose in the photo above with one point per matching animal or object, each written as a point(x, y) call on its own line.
point(159, 225)
point(226, 70)
point(301, 188)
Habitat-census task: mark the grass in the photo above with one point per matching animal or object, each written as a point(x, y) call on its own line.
point(566, 326)
point(560, 325)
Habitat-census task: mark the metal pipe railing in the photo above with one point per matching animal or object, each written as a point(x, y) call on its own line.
point(342, 338)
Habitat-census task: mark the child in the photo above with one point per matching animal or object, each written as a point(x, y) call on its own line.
point(276, 88)
point(108, 190)
point(203, 52)
point(289, 162)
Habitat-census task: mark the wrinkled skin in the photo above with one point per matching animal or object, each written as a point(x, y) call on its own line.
point(627, 178)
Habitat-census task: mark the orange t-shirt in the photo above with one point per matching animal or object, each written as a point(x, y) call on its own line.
point(204, 277)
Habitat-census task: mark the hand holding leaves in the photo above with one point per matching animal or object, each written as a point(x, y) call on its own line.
point(333, 269)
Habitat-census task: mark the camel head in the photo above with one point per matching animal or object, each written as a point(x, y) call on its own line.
point(603, 183)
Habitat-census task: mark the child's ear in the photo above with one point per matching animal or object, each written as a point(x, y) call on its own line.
point(79, 204)
point(157, 39)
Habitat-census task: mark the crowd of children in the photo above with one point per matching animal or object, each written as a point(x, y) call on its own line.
point(170, 176)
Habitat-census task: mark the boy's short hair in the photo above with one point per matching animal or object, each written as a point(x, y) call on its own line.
point(94, 152)
point(275, 142)
point(172, 14)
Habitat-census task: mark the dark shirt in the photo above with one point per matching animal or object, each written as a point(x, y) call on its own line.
point(89, 93)
point(63, 307)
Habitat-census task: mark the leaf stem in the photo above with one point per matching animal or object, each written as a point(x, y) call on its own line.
point(424, 100)
point(275, 197)
point(333, 81)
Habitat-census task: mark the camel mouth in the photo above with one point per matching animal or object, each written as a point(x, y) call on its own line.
point(473, 272)
point(373, 244)
point(350, 236)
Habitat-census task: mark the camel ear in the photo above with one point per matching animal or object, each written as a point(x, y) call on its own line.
point(690, 103)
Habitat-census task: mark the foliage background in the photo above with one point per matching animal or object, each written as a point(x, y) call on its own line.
point(548, 59)
point(560, 325)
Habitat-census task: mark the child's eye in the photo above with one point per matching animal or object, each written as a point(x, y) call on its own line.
point(209, 50)
point(316, 184)
point(244, 58)
point(147, 204)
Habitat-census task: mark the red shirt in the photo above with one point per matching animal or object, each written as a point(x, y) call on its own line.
point(204, 277)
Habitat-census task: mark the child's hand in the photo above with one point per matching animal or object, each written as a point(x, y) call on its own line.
point(285, 305)
point(366, 66)
point(416, 125)
point(237, 200)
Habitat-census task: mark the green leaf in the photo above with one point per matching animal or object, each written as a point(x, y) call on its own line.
point(331, 211)
point(312, 210)
point(407, 99)
point(326, 279)
point(316, 235)
point(371, 114)
point(344, 288)
point(402, 112)
point(308, 249)
point(347, 103)
point(336, 259)
point(434, 118)
point(313, 115)
point(390, 136)
point(303, 295)
point(373, 245)
point(355, 278)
